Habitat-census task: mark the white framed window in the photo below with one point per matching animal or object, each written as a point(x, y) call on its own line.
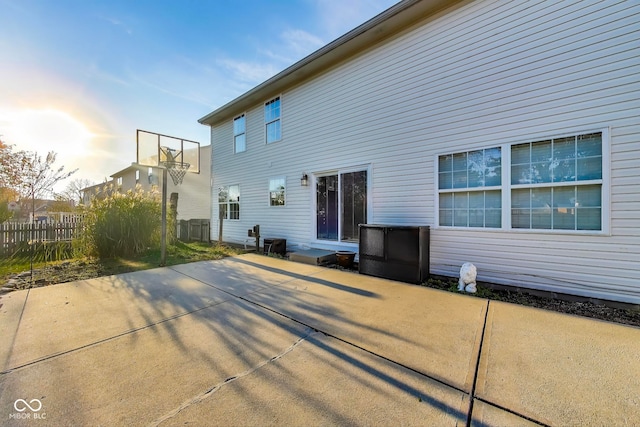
point(239, 134)
point(272, 114)
point(469, 187)
point(555, 184)
point(277, 189)
point(151, 178)
point(137, 176)
point(229, 202)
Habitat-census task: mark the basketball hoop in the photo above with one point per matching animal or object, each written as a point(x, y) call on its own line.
point(177, 170)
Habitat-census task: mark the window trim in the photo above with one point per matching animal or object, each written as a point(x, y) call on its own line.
point(228, 203)
point(235, 135)
point(506, 185)
point(469, 189)
point(284, 178)
point(278, 119)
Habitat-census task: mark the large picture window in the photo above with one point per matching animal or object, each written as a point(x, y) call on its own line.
point(239, 134)
point(229, 202)
point(549, 184)
point(469, 186)
point(556, 184)
point(272, 120)
point(341, 205)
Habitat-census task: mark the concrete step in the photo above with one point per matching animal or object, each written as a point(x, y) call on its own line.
point(313, 256)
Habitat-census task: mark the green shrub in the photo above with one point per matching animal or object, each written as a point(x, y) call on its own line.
point(121, 224)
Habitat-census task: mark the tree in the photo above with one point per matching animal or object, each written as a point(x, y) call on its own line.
point(75, 190)
point(6, 196)
point(9, 166)
point(38, 176)
point(28, 174)
point(9, 176)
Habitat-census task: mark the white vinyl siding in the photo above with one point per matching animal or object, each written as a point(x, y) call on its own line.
point(482, 74)
point(193, 203)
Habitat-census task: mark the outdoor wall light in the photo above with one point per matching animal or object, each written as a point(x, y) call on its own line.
point(304, 181)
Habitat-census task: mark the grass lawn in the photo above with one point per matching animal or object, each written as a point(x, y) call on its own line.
point(87, 268)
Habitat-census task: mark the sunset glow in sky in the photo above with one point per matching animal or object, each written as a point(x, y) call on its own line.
point(79, 77)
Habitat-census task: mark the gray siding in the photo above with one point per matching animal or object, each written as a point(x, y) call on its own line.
point(481, 75)
point(194, 201)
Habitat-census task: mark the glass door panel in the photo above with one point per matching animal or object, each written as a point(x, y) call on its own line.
point(327, 207)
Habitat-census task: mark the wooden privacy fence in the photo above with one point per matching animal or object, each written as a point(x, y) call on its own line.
point(194, 230)
point(15, 237)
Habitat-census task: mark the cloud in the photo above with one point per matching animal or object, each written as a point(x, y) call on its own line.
point(339, 16)
point(300, 43)
point(250, 72)
point(294, 44)
point(118, 24)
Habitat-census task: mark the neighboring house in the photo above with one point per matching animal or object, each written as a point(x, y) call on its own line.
point(136, 176)
point(511, 128)
point(97, 190)
point(45, 211)
point(193, 202)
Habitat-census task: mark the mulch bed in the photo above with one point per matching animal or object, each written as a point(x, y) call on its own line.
point(607, 311)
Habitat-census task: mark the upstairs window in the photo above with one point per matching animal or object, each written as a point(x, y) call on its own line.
point(277, 191)
point(272, 120)
point(239, 134)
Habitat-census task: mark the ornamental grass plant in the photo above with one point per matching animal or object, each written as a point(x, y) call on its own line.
point(122, 224)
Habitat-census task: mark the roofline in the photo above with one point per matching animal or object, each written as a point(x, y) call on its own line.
point(398, 17)
point(134, 166)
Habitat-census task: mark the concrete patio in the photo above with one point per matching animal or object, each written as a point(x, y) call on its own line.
point(254, 340)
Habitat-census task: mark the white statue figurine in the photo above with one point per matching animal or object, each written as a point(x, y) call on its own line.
point(468, 274)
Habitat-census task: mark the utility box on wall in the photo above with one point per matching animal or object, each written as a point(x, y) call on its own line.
point(396, 252)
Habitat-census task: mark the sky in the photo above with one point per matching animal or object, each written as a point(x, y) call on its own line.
point(78, 77)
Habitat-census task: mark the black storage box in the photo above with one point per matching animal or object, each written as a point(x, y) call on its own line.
point(396, 252)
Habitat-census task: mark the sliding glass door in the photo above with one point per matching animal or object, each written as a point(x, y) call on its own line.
point(341, 205)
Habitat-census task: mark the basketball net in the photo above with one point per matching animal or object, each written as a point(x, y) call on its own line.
point(177, 170)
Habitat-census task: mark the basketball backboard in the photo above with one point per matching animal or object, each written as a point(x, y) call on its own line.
point(155, 150)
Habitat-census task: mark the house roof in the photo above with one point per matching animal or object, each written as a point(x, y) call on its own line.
point(132, 167)
point(395, 19)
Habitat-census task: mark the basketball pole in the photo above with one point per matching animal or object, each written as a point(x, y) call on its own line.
point(163, 238)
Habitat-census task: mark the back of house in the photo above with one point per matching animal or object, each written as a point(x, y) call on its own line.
point(512, 129)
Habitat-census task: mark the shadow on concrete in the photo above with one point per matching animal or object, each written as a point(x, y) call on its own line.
point(224, 317)
point(295, 276)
